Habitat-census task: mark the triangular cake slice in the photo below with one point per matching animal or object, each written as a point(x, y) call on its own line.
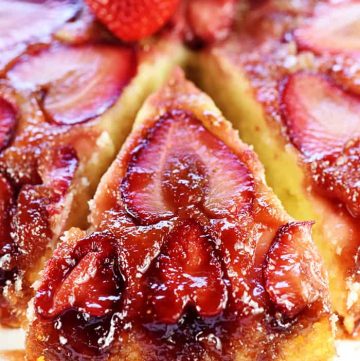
point(65, 109)
point(189, 255)
point(289, 80)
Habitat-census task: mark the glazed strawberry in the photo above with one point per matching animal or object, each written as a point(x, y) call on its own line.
point(337, 175)
point(37, 204)
point(211, 20)
point(89, 280)
point(189, 273)
point(334, 29)
point(6, 203)
point(57, 167)
point(7, 122)
point(293, 275)
point(319, 116)
point(133, 20)
point(6, 244)
point(16, 32)
point(76, 84)
point(187, 174)
point(31, 222)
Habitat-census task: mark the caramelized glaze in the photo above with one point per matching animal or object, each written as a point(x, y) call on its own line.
point(173, 268)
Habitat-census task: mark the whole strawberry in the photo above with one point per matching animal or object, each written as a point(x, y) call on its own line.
point(132, 20)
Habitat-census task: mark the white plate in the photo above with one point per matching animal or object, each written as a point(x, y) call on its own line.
point(14, 340)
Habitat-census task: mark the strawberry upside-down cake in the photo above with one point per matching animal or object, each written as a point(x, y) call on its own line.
point(184, 253)
point(289, 80)
point(68, 95)
point(189, 254)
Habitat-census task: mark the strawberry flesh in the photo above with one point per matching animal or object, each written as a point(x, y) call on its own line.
point(133, 20)
point(37, 204)
point(6, 244)
point(57, 168)
point(335, 29)
point(76, 84)
point(293, 276)
point(31, 222)
point(87, 279)
point(6, 203)
point(16, 32)
point(7, 122)
point(189, 272)
point(166, 174)
point(337, 175)
point(320, 117)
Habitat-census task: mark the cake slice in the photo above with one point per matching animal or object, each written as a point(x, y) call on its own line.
point(189, 254)
point(65, 110)
point(288, 80)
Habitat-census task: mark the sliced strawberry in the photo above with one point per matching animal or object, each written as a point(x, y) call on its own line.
point(6, 203)
point(337, 174)
point(16, 32)
point(7, 122)
point(293, 276)
point(84, 276)
point(319, 116)
point(237, 247)
point(57, 168)
point(91, 286)
point(133, 20)
point(165, 173)
point(188, 273)
point(31, 223)
point(76, 83)
point(211, 20)
point(334, 29)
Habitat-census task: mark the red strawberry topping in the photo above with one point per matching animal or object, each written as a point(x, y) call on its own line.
point(7, 122)
point(186, 175)
point(338, 175)
point(31, 222)
point(173, 258)
point(83, 276)
point(320, 117)
point(133, 20)
point(37, 204)
point(76, 83)
point(189, 273)
point(334, 29)
point(57, 168)
point(6, 202)
point(293, 275)
point(17, 32)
